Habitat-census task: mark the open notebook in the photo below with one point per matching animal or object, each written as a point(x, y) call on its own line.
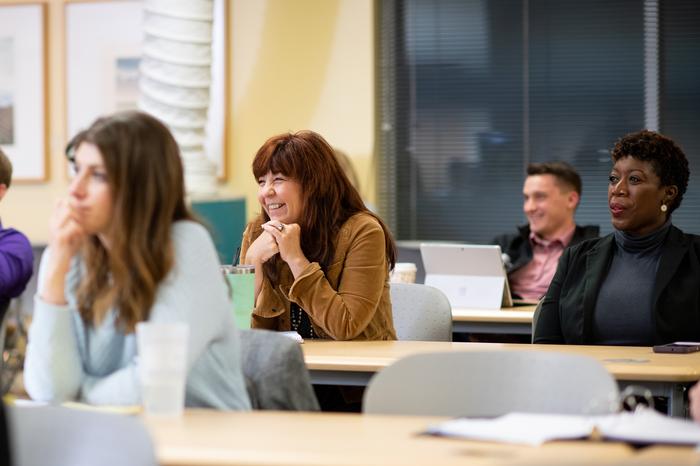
point(470, 275)
point(645, 426)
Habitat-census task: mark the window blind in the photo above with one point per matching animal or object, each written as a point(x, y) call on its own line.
point(471, 91)
point(679, 102)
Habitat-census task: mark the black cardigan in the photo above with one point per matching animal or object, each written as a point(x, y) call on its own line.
point(566, 314)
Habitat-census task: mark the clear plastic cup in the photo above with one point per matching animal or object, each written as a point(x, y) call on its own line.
point(162, 366)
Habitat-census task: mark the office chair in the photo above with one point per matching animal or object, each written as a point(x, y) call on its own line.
point(57, 436)
point(420, 312)
point(492, 383)
point(10, 360)
point(275, 372)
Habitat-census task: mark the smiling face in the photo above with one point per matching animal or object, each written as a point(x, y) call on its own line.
point(90, 192)
point(280, 196)
point(635, 196)
point(548, 205)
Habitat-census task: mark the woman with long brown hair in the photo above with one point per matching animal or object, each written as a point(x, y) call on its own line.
point(123, 249)
point(321, 258)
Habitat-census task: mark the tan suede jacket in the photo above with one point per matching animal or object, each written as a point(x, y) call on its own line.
point(350, 302)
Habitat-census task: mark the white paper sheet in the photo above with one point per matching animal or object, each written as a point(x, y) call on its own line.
point(644, 426)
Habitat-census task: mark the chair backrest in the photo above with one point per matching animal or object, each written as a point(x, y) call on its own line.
point(7, 369)
point(70, 437)
point(535, 317)
point(4, 315)
point(420, 312)
point(275, 372)
point(492, 383)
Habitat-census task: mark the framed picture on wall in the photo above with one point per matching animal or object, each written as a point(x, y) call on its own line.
point(23, 89)
point(103, 50)
point(104, 42)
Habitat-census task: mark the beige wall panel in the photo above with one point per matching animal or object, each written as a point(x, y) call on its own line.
point(294, 64)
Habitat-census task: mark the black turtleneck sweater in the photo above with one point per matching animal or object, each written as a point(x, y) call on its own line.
point(624, 311)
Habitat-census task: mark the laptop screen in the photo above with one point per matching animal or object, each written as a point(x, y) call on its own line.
point(471, 275)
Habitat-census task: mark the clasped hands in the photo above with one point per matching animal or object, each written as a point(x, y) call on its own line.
point(279, 238)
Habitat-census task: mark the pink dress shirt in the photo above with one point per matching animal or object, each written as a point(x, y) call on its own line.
point(532, 280)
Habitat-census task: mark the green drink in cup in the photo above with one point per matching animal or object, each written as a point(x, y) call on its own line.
point(241, 279)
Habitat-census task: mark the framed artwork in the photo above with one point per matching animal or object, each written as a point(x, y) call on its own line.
point(23, 90)
point(103, 58)
point(103, 49)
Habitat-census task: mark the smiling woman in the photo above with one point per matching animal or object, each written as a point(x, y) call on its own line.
point(639, 285)
point(321, 258)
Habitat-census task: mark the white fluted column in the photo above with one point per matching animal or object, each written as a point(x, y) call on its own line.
point(176, 78)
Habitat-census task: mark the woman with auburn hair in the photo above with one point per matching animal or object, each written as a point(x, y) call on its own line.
point(123, 249)
point(321, 258)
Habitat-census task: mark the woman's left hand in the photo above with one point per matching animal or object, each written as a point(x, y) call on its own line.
point(288, 237)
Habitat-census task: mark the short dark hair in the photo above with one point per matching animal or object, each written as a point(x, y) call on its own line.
point(665, 156)
point(5, 169)
point(562, 171)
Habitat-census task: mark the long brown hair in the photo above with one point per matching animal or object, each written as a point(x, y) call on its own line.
point(329, 199)
point(145, 175)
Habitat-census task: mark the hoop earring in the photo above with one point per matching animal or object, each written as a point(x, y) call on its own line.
point(664, 208)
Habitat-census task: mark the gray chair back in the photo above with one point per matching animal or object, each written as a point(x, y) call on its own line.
point(56, 436)
point(535, 317)
point(275, 372)
point(492, 383)
point(420, 312)
point(10, 363)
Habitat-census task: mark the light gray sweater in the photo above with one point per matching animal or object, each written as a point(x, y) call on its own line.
point(68, 360)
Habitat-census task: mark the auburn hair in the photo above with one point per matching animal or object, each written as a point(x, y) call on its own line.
point(328, 197)
point(145, 176)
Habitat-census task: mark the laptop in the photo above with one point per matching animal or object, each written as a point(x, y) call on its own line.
point(470, 275)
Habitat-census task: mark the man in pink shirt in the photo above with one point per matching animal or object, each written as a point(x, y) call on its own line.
point(551, 193)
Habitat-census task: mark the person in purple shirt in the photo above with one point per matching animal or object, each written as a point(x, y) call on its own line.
point(16, 256)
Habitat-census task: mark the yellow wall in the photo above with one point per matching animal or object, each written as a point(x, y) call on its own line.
point(27, 206)
point(294, 64)
point(301, 64)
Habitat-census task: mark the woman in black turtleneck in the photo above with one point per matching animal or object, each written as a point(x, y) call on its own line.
point(639, 285)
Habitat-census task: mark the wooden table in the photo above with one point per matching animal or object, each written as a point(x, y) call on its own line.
point(512, 320)
point(209, 438)
point(355, 362)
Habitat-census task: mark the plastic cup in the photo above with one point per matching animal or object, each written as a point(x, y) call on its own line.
point(162, 366)
point(404, 272)
point(241, 279)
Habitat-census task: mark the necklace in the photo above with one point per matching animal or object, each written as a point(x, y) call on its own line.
point(301, 323)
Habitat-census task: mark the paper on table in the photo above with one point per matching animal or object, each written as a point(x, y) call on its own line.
point(642, 427)
point(23, 401)
point(293, 335)
point(526, 428)
point(116, 409)
point(648, 426)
